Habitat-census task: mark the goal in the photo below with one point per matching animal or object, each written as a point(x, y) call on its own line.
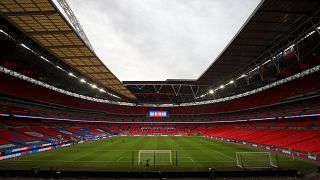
point(257, 160)
point(154, 157)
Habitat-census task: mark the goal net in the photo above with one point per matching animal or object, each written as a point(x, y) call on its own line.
point(154, 157)
point(256, 160)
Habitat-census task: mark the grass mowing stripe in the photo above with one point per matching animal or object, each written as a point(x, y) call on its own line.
point(219, 152)
point(178, 143)
point(208, 150)
point(128, 146)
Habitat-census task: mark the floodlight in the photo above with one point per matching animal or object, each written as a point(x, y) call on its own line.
point(26, 47)
point(211, 91)
point(59, 67)
point(93, 85)
point(45, 59)
point(231, 82)
point(82, 80)
point(222, 86)
point(243, 75)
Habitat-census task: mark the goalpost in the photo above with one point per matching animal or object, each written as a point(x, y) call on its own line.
point(257, 160)
point(154, 157)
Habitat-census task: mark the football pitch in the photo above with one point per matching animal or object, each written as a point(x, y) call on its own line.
point(188, 153)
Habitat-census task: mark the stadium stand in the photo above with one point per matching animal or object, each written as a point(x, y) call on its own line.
point(274, 134)
point(280, 129)
point(265, 98)
point(275, 104)
point(299, 134)
point(17, 138)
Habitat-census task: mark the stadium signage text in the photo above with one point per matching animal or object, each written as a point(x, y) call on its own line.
point(158, 114)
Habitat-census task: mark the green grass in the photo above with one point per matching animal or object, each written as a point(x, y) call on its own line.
point(194, 153)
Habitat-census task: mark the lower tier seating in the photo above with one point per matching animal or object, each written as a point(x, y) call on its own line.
point(24, 132)
point(297, 139)
point(277, 133)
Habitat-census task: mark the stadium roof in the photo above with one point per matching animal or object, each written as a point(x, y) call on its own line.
point(42, 21)
point(267, 29)
point(273, 27)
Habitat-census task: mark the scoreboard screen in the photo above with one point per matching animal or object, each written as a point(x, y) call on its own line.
point(158, 114)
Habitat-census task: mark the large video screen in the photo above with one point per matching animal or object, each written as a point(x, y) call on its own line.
point(158, 114)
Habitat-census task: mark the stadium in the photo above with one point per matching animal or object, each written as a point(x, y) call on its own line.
point(253, 113)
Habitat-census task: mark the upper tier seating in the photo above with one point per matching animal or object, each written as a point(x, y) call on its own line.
point(261, 99)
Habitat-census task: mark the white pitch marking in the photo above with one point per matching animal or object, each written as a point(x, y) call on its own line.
point(119, 159)
point(191, 159)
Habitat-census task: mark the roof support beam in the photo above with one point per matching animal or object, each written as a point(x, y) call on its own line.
point(277, 65)
point(73, 19)
point(139, 87)
point(176, 92)
point(194, 92)
point(315, 26)
point(299, 30)
point(248, 78)
point(260, 71)
point(157, 89)
point(183, 98)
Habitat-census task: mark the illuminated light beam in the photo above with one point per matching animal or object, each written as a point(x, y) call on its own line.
point(262, 119)
point(302, 116)
point(47, 118)
point(71, 74)
point(60, 68)
point(145, 122)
